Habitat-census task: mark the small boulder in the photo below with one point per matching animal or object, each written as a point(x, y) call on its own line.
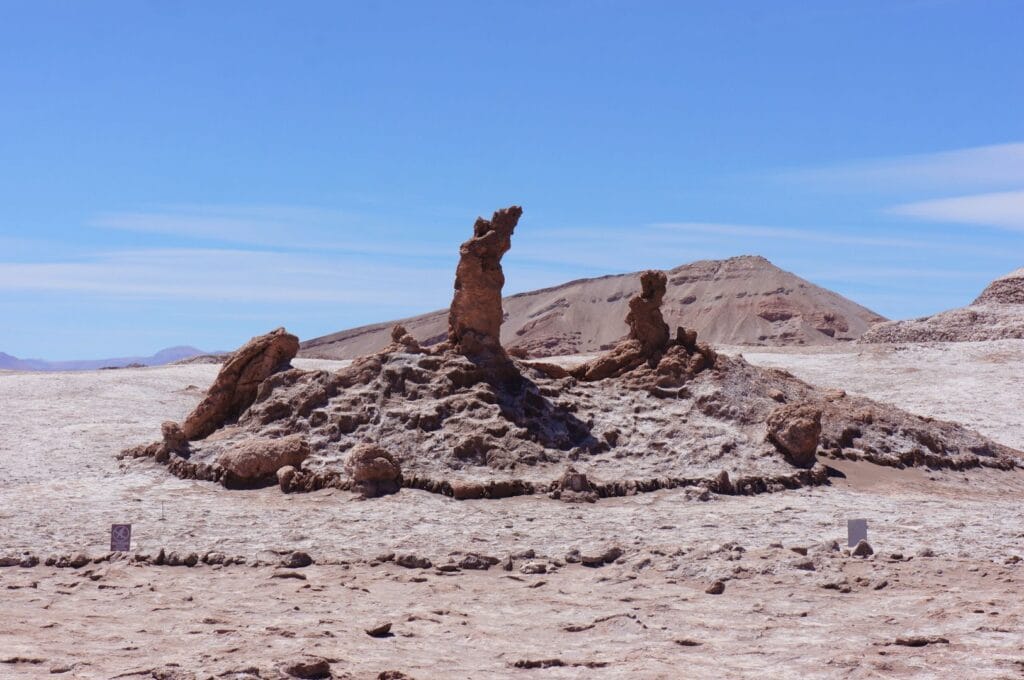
point(380, 630)
point(256, 461)
point(296, 560)
point(862, 549)
point(716, 588)
point(308, 668)
point(795, 429)
point(374, 470)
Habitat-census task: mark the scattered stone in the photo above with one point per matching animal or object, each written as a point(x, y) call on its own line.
point(804, 565)
point(862, 549)
point(473, 561)
point(534, 568)
point(921, 641)
point(287, 573)
point(296, 560)
point(601, 559)
point(926, 552)
point(308, 667)
point(410, 561)
point(380, 630)
point(716, 588)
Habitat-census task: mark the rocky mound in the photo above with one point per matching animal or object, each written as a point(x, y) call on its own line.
point(740, 301)
point(463, 418)
point(996, 314)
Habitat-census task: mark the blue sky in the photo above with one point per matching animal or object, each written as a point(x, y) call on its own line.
point(194, 172)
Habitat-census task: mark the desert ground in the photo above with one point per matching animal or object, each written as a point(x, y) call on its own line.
point(939, 598)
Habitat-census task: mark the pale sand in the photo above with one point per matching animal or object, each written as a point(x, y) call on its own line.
point(62, 488)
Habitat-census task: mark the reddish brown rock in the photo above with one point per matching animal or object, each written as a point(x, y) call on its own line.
point(649, 346)
point(648, 333)
point(795, 430)
point(236, 385)
point(374, 470)
point(474, 321)
point(256, 461)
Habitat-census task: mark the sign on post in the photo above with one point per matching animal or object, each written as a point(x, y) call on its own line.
point(120, 537)
point(856, 531)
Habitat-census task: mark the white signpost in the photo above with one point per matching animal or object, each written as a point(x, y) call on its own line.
point(856, 531)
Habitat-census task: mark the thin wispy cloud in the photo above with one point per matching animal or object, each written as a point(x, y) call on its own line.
point(991, 167)
point(279, 227)
point(1003, 210)
point(230, 276)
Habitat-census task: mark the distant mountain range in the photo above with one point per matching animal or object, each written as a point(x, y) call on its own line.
point(164, 356)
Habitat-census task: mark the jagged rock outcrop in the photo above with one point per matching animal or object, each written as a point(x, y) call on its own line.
point(474, 320)
point(667, 362)
point(996, 314)
point(256, 461)
point(465, 420)
point(236, 385)
point(374, 470)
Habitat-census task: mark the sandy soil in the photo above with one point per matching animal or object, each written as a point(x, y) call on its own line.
point(645, 616)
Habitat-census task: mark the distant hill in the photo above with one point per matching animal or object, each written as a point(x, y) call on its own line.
point(996, 314)
point(740, 301)
point(164, 356)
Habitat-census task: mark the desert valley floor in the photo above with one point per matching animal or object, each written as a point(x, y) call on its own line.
point(939, 598)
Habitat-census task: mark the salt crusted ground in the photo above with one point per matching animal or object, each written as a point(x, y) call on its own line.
point(782, 614)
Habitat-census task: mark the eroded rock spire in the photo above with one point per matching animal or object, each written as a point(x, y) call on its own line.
point(474, 322)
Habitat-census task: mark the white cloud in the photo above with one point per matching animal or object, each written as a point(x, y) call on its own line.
point(289, 227)
point(1004, 210)
point(992, 167)
point(231, 275)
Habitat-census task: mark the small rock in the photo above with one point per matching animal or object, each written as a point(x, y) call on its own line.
point(308, 667)
point(473, 561)
point(804, 565)
point(716, 588)
point(285, 573)
point(601, 559)
point(410, 561)
point(926, 552)
point(863, 549)
point(380, 630)
point(296, 560)
point(799, 551)
point(921, 641)
point(534, 568)
point(508, 564)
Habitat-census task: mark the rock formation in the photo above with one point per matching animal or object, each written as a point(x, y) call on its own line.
point(669, 362)
point(657, 411)
point(474, 321)
point(236, 385)
point(996, 314)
